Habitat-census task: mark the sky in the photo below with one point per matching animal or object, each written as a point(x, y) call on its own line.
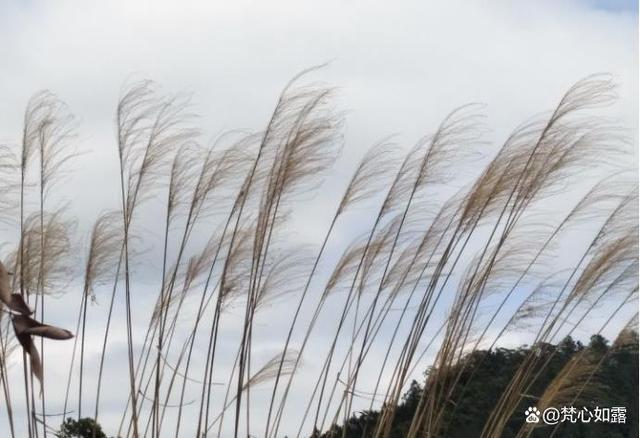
point(398, 67)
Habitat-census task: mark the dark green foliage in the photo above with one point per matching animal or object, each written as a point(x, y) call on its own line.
point(83, 428)
point(486, 375)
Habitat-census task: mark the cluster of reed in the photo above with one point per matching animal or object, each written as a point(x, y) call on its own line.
point(454, 251)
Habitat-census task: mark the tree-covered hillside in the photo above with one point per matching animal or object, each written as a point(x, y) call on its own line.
point(610, 379)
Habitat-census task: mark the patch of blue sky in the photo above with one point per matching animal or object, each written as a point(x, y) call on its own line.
point(624, 6)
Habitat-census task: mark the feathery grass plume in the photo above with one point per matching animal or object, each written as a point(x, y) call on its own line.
point(104, 249)
point(371, 271)
point(588, 208)
point(563, 388)
point(181, 179)
point(195, 268)
point(447, 254)
point(214, 172)
point(436, 231)
point(37, 119)
point(627, 339)
point(399, 270)
point(230, 165)
point(625, 279)
point(347, 264)
point(196, 174)
point(306, 149)
point(620, 222)
point(38, 113)
point(403, 182)
point(305, 140)
point(569, 139)
point(370, 175)
point(457, 130)
point(531, 163)
point(539, 300)
point(55, 131)
point(508, 272)
point(375, 256)
point(360, 256)
point(419, 168)
point(572, 370)
point(611, 255)
point(197, 265)
point(284, 276)
point(235, 280)
point(358, 253)
point(605, 265)
point(454, 142)
point(149, 129)
point(222, 171)
point(429, 160)
point(559, 140)
point(48, 255)
point(494, 276)
point(270, 370)
point(536, 304)
point(420, 233)
point(429, 249)
point(539, 157)
point(186, 278)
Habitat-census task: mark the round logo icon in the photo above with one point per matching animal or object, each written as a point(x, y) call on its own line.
point(532, 415)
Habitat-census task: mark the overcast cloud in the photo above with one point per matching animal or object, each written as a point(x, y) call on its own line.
point(399, 68)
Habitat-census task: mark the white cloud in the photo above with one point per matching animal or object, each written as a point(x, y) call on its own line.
point(400, 67)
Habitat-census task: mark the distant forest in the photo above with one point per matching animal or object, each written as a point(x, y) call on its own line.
point(609, 378)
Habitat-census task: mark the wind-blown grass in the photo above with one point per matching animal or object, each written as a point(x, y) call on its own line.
point(455, 249)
